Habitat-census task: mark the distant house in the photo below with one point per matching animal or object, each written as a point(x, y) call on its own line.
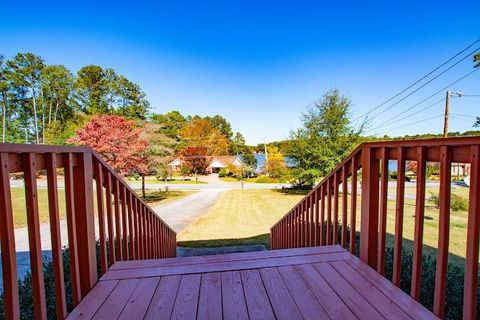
point(215, 163)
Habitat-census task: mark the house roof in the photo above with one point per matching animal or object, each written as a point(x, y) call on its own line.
point(226, 159)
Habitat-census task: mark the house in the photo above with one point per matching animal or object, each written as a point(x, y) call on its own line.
point(215, 163)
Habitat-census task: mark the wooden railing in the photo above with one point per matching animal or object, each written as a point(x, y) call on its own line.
point(127, 227)
point(314, 221)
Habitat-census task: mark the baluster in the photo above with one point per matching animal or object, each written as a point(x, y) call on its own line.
point(397, 250)
point(382, 237)
point(101, 216)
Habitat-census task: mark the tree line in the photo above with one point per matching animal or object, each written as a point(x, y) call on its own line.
point(44, 103)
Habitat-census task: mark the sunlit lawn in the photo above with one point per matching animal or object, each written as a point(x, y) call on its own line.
point(240, 214)
point(249, 213)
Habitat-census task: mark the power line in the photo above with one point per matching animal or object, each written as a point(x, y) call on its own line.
point(420, 121)
point(425, 84)
point(465, 115)
point(426, 99)
point(419, 80)
point(409, 116)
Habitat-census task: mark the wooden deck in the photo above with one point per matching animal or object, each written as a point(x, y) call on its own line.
point(306, 283)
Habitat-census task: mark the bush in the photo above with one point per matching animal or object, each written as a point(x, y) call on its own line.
point(457, 203)
point(265, 179)
point(223, 173)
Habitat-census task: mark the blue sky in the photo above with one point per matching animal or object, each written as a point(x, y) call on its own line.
point(260, 63)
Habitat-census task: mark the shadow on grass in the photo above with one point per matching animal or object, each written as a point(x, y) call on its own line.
point(293, 191)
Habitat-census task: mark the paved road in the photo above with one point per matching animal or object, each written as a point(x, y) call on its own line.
point(180, 213)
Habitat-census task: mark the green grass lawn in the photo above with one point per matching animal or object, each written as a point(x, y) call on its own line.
point(240, 214)
point(153, 180)
point(245, 217)
point(19, 208)
point(259, 179)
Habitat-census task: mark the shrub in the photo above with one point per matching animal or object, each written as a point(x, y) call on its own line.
point(265, 179)
point(457, 203)
point(223, 173)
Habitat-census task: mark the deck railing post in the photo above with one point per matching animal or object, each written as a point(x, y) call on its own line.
point(85, 224)
point(369, 214)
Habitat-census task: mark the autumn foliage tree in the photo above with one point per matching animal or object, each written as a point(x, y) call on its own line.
point(117, 140)
point(199, 133)
point(195, 158)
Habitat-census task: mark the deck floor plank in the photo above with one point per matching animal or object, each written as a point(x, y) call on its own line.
point(139, 301)
point(303, 296)
point(355, 302)
point(93, 301)
point(224, 266)
point(404, 301)
point(164, 297)
point(210, 304)
point(378, 300)
point(186, 303)
point(233, 298)
point(258, 304)
point(283, 304)
point(325, 295)
point(305, 283)
point(116, 301)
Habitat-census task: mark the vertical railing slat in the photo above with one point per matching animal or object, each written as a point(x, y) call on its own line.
point(344, 205)
point(369, 214)
point(419, 220)
point(111, 232)
point(317, 217)
point(7, 242)
point(33, 223)
point(335, 207)
point(54, 215)
point(382, 236)
point(123, 198)
point(101, 216)
point(130, 226)
point(353, 205)
point(443, 232)
point(328, 235)
point(322, 215)
point(397, 249)
point(118, 221)
point(473, 230)
point(72, 228)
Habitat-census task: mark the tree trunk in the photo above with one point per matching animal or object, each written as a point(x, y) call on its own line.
point(43, 115)
point(143, 186)
point(35, 117)
point(4, 118)
point(56, 111)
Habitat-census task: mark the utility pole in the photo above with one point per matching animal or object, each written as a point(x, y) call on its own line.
point(447, 111)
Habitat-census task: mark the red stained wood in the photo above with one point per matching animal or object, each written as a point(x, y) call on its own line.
point(355, 302)
point(7, 241)
point(111, 232)
point(443, 232)
point(258, 304)
point(353, 205)
point(317, 218)
point(322, 215)
point(131, 229)
point(72, 228)
point(93, 301)
point(309, 306)
point(369, 214)
point(233, 299)
point(400, 298)
point(118, 222)
point(85, 223)
point(312, 281)
point(335, 207)
point(282, 302)
point(139, 301)
point(375, 297)
point(101, 216)
point(54, 215)
point(419, 220)
point(344, 206)
point(382, 236)
point(328, 235)
point(163, 300)
point(33, 222)
point(186, 302)
point(116, 301)
point(210, 302)
point(473, 230)
point(397, 249)
point(123, 199)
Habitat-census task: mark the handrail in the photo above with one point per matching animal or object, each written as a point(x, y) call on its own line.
point(127, 227)
point(314, 221)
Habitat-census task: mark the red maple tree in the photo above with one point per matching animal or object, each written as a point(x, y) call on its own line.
point(195, 158)
point(117, 139)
